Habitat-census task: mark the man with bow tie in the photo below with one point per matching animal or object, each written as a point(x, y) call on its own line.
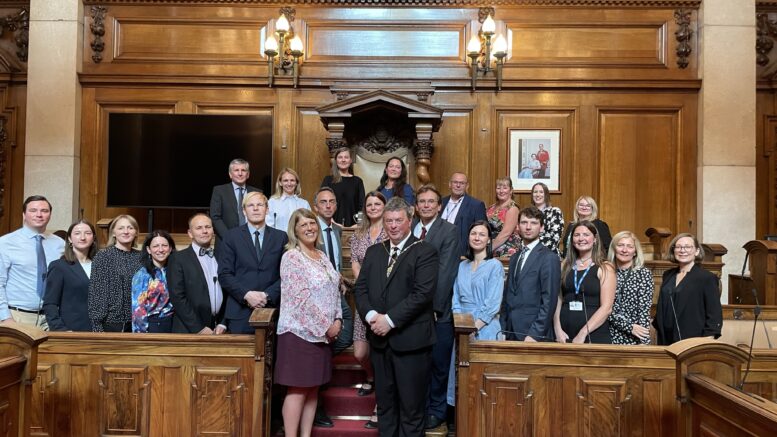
point(192, 277)
point(395, 291)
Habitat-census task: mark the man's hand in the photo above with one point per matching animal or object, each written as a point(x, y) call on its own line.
point(206, 331)
point(220, 329)
point(529, 339)
point(380, 325)
point(256, 299)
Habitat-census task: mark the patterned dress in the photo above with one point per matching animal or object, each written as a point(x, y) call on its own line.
point(633, 298)
point(496, 218)
point(149, 298)
point(359, 245)
point(554, 226)
point(110, 287)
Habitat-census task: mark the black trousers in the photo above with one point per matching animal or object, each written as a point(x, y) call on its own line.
point(437, 404)
point(401, 384)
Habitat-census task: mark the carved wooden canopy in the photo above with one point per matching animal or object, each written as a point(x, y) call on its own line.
point(383, 122)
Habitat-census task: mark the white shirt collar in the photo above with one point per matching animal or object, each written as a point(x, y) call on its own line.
point(402, 243)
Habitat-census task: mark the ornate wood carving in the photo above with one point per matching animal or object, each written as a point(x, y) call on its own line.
point(436, 3)
point(602, 407)
point(765, 29)
point(124, 405)
point(383, 142)
point(507, 404)
point(42, 412)
point(19, 23)
point(98, 31)
point(683, 36)
point(217, 401)
point(3, 138)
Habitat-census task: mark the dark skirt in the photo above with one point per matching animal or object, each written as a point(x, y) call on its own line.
point(301, 363)
point(159, 325)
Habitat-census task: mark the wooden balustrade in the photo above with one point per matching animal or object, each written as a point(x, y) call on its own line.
point(18, 368)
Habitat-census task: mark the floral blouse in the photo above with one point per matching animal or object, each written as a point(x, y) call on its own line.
point(554, 226)
point(496, 218)
point(633, 298)
point(359, 244)
point(149, 298)
point(310, 296)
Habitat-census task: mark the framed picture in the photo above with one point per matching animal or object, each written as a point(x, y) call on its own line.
point(534, 156)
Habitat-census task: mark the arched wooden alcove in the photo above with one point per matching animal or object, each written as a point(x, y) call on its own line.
point(379, 124)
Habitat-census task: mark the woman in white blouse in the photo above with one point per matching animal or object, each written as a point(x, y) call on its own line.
point(286, 199)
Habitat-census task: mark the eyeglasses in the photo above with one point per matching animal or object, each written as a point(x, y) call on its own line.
point(583, 206)
point(684, 248)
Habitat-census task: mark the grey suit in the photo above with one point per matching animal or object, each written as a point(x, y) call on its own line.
point(345, 339)
point(444, 237)
point(531, 295)
point(224, 207)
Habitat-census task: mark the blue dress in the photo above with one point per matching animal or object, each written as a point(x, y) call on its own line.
point(478, 293)
point(407, 193)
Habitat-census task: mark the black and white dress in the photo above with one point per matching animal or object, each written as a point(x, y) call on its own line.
point(554, 225)
point(110, 288)
point(633, 298)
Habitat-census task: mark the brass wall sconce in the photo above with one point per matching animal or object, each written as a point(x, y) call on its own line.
point(283, 54)
point(479, 49)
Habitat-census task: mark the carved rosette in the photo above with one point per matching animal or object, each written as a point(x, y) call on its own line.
point(3, 137)
point(98, 31)
point(19, 23)
point(683, 35)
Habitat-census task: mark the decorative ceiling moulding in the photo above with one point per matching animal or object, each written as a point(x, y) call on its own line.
point(660, 4)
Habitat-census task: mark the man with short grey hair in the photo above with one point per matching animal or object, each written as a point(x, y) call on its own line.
point(461, 209)
point(226, 209)
point(395, 291)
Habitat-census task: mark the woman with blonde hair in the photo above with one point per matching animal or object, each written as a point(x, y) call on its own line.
point(286, 199)
point(503, 217)
point(349, 189)
point(630, 318)
point(309, 321)
point(587, 290)
point(587, 209)
point(110, 286)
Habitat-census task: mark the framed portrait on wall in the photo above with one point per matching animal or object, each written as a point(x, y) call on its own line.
point(534, 156)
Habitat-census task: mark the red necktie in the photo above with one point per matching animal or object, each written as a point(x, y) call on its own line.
point(423, 232)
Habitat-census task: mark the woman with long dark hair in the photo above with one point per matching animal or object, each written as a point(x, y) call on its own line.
point(394, 181)
point(152, 310)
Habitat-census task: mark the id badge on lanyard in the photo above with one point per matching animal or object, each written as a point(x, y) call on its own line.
point(577, 305)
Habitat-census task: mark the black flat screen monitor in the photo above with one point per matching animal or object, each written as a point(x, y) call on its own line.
point(175, 160)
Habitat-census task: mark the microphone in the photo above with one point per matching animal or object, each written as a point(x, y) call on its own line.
point(674, 312)
point(756, 313)
point(524, 334)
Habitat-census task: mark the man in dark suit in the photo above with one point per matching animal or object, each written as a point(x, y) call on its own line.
point(533, 282)
point(249, 265)
point(444, 237)
point(461, 209)
point(192, 280)
point(325, 205)
point(226, 210)
point(395, 291)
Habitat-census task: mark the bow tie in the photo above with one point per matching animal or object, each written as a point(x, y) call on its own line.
point(208, 251)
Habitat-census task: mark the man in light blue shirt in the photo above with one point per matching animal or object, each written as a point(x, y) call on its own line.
point(24, 258)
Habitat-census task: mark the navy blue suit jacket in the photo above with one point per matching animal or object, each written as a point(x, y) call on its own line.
point(470, 211)
point(64, 303)
point(241, 271)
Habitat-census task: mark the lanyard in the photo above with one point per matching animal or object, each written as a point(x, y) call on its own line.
point(580, 282)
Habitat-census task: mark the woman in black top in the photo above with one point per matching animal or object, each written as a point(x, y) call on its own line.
point(689, 303)
point(587, 209)
point(587, 290)
point(67, 281)
point(349, 189)
point(110, 287)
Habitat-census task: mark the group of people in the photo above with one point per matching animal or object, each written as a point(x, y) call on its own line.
point(417, 257)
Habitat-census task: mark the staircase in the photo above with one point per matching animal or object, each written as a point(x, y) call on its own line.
point(348, 411)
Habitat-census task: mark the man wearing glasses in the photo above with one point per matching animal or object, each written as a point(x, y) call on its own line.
point(461, 209)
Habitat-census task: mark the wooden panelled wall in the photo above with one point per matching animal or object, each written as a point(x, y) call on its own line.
point(607, 77)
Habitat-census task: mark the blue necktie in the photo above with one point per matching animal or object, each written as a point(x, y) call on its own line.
point(41, 264)
point(240, 215)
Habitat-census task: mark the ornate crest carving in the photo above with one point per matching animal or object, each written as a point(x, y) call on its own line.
point(765, 28)
point(683, 35)
point(98, 31)
point(382, 141)
point(19, 23)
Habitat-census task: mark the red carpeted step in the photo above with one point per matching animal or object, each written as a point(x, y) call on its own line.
point(347, 371)
point(345, 428)
point(343, 401)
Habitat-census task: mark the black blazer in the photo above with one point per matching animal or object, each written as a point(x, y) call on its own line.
point(444, 237)
point(65, 301)
point(405, 296)
point(240, 271)
point(696, 302)
point(188, 288)
point(530, 298)
point(223, 208)
point(470, 211)
point(604, 236)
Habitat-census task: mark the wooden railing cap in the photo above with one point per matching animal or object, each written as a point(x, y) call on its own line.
point(464, 323)
point(262, 317)
point(27, 334)
point(686, 349)
point(768, 245)
point(660, 232)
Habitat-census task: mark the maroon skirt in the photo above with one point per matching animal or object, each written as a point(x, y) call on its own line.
point(301, 363)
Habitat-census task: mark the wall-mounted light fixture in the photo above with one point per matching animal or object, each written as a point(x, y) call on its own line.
point(283, 54)
point(480, 50)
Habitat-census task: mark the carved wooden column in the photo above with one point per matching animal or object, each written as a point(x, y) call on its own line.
point(334, 138)
point(263, 320)
point(422, 151)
